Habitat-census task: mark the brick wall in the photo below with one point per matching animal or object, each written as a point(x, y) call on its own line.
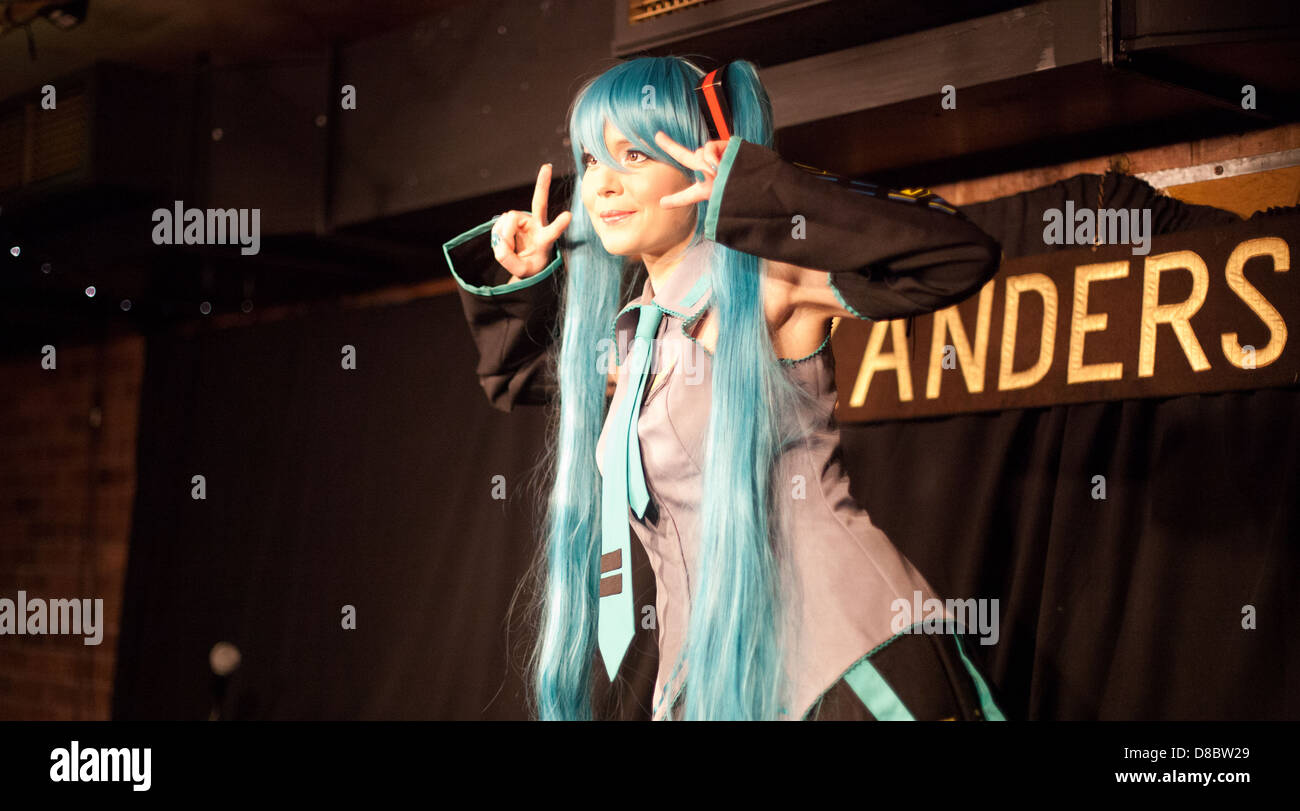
point(67, 485)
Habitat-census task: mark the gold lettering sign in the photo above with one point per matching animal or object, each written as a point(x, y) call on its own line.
point(1204, 311)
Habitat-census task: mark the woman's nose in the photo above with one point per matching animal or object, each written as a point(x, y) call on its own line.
point(607, 181)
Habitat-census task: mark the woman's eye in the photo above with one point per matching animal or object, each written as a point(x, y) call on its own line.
point(588, 159)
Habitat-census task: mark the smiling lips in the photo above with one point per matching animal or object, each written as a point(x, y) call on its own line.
point(615, 217)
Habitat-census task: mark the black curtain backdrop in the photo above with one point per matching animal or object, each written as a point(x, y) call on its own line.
point(374, 488)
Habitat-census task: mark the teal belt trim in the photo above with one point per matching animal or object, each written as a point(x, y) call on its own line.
point(987, 705)
point(875, 692)
point(872, 689)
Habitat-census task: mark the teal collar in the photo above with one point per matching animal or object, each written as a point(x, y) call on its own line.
point(683, 295)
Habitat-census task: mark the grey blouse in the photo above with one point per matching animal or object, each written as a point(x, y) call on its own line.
point(846, 571)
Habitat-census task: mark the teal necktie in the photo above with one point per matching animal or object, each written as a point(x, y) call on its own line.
point(623, 485)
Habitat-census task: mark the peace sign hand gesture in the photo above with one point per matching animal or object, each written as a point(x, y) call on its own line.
point(705, 159)
point(522, 241)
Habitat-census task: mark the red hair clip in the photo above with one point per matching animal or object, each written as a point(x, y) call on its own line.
point(713, 104)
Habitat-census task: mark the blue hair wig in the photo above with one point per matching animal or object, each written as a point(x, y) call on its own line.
point(734, 654)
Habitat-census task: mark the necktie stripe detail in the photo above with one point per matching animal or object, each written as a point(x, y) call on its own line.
point(611, 562)
point(611, 585)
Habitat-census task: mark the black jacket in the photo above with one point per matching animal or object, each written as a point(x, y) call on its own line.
point(889, 254)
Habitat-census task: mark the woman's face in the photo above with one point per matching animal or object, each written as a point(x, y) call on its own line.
point(648, 230)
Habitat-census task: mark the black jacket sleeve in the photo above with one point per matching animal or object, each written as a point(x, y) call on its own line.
point(888, 253)
point(511, 324)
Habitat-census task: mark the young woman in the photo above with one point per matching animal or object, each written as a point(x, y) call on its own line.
point(771, 594)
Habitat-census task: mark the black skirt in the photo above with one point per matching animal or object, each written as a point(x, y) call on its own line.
point(912, 677)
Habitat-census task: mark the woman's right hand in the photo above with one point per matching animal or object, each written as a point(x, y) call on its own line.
point(522, 241)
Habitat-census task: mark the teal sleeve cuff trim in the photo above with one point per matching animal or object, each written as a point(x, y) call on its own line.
point(493, 290)
point(719, 184)
point(830, 281)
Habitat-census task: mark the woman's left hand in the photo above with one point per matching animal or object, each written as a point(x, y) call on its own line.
point(705, 159)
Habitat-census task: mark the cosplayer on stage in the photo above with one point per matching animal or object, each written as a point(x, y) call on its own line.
point(715, 465)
